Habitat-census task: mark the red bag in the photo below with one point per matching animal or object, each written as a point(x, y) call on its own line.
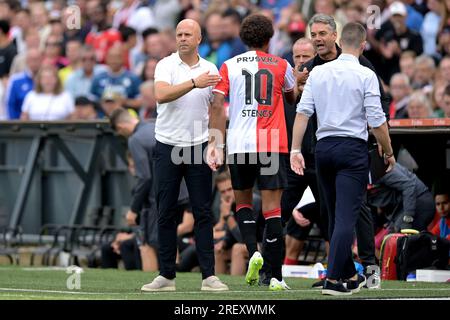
point(388, 255)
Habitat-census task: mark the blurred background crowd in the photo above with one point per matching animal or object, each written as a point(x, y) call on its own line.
point(82, 59)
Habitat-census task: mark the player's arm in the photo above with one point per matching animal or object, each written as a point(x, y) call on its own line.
point(165, 92)
point(289, 85)
point(218, 120)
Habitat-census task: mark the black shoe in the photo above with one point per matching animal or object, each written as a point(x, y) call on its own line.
point(335, 289)
point(264, 280)
point(318, 284)
point(355, 285)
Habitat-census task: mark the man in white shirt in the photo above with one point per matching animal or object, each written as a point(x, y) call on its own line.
point(346, 98)
point(183, 90)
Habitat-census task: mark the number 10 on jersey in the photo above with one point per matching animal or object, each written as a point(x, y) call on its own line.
point(260, 84)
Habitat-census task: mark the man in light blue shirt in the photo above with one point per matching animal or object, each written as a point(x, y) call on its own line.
point(346, 98)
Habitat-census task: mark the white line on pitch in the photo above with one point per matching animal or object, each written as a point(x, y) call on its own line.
point(194, 292)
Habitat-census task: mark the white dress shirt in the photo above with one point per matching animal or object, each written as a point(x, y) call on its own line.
point(345, 96)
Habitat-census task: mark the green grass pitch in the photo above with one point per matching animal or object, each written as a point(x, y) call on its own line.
point(43, 283)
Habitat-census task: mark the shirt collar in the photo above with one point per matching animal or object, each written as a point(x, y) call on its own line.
point(179, 61)
point(348, 57)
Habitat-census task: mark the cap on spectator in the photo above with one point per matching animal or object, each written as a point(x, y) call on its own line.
point(398, 8)
point(297, 27)
point(82, 101)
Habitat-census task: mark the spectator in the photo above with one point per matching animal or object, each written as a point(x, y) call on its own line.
point(444, 69)
point(129, 39)
point(152, 48)
point(424, 69)
point(73, 54)
point(214, 48)
point(445, 22)
point(407, 59)
point(148, 72)
point(414, 20)
point(134, 14)
point(446, 102)
point(147, 93)
point(85, 109)
point(442, 202)
point(430, 27)
point(228, 246)
point(53, 54)
point(442, 227)
point(124, 247)
point(20, 84)
point(404, 199)
point(400, 92)
point(47, 101)
point(298, 229)
point(419, 106)
point(100, 36)
point(443, 46)
point(32, 41)
point(168, 11)
point(437, 99)
point(39, 20)
point(80, 81)
point(231, 25)
point(7, 50)
point(117, 79)
point(280, 43)
point(168, 41)
point(21, 27)
point(393, 38)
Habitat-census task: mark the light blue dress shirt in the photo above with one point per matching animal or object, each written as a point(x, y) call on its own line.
point(345, 96)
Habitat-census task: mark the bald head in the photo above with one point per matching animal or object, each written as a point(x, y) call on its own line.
point(302, 51)
point(190, 24)
point(188, 37)
point(114, 57)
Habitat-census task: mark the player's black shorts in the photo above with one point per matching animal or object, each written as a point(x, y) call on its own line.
point(268, 169)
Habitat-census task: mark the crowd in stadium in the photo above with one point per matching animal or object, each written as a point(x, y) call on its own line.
point(40, 44)
point(53, 69)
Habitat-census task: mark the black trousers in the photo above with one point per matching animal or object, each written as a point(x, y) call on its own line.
point(342, 168)
point(171, 165)
point(129, 253)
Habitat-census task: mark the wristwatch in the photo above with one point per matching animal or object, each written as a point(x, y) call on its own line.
point(408, 219)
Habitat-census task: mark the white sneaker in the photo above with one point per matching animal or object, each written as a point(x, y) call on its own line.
point(212, 283)
point(276, 285)
point(159, 284)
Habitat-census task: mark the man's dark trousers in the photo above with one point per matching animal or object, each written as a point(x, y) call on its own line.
point(198, 176)
point(342, 166)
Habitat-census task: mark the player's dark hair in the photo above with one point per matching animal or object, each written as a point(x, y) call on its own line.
point(256, 31)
